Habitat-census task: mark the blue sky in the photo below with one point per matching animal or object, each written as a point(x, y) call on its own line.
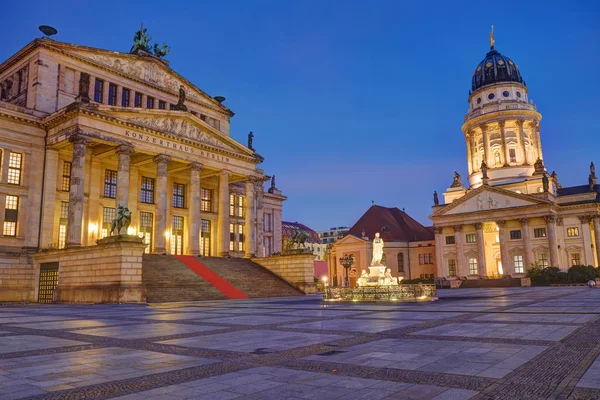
point(353, 101)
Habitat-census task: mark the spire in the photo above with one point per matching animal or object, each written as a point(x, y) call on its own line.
point(492, 40)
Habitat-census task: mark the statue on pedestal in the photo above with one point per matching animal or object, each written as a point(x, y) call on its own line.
point(456, 181)
point(122, 220)
point(180, 106)
point(389, 280)
point(592, 170)
point(250, 137)
point(484, 170)
point(377, 250)
point(545, 183)
point(436, 199)
point(538, 167)
point(364, 278)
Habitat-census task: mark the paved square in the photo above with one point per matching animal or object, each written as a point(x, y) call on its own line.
point(489, 342)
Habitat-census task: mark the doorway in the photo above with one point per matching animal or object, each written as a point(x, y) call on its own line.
point(48, 282)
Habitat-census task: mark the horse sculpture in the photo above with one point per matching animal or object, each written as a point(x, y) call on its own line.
point(122, 220)
point(299, 238)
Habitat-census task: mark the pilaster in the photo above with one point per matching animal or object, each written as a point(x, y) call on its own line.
point(527, 256)
point(49, 199)
point(507, 266)
point(481, 265)
point(460, 258)
point(552, 242)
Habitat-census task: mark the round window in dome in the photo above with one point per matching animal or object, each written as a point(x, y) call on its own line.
point(505, 93)
point(479, 68)
point(479, 100)
point(500, 62)
point(491, 96)
point(518, 94)
point(489, 64)
point(510, 62)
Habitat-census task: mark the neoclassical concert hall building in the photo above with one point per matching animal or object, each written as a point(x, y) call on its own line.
point(83, 130)
point(512, 213)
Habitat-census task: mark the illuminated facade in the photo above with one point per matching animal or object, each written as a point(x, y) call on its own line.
point(511, 214)
point(84, 130)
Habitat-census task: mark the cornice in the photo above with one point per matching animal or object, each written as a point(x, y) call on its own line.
point(500, 115)
point(21, 118)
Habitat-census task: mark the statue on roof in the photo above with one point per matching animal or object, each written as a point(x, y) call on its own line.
point(492, 40)
point(538, 167)
point(162, 50)
point(180, 106)
point(592, 170)
point(484, 169)
point(591, 183)
point(545, 183)
point(250, 137)
point(456, 182)
point(436, 199)
point(141, 40)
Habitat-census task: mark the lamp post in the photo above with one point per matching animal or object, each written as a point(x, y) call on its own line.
point(347, 262)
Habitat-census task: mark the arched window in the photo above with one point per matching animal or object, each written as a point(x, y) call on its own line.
point(497, 158)
point(400, 262)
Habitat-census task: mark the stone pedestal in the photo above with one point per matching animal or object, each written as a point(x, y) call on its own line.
point(295, 267)
point(110, 272)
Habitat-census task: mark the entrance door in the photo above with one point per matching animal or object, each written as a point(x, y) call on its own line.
point(48, 282)
point(499, 265)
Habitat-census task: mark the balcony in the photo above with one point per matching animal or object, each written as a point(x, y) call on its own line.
point(499, 106)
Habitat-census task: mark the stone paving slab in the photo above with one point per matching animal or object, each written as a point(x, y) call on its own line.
point(72, 324)
point(370, 326)
point(11, 344)
point(251, 340)
point(139, 331)
point(257, 319)
point(591, 378)
point(498, 330)
point(414, 315)
point(184, 316)
point(528, 317)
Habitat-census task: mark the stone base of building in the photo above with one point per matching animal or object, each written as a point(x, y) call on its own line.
point(295, 267)
point(110, 272)
point(16, 276)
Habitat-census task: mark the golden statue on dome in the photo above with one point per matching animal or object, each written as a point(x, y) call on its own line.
point(492, 40)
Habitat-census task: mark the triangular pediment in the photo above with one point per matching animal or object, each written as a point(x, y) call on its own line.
point(486, 198)
point(147, 69)
point(350, 240)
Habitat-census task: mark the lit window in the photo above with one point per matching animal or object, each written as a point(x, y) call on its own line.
point(98, 90)
point(11, 215)
point(513, 155)
point(66, 176)
point(240, 237)
point(147, 192)
point(518, 261)
point(231, 237)
point(539, 232)
point(471, 238)
point(108, 215)
point(206, 200)
point(177, 235)
point(575, 259)
point(178, 195)
point(514, 235)
point(110, 184)
point(572, 232)
point(236, 205)
point(146, 229)
point(205, 238)
point(452, 267)
point(473, 266)
point(543, 260)
point(112, 94)
point(62, 226)
point(15, 163)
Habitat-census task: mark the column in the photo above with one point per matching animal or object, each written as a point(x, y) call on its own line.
point(486, 150)
point(505, 149)
point(536, 134)
point(596, 219)
point(460, 259)
point(249, 238)
point(476, 165)
point(49, 199)
point(586, 234)
point(223, 214)
point(76, 193)
point(124, 153)
point(469, 155)
point(481, 266)
point(442, 266)
point(522, 139)
point(507, 265)
point(195, 222)
point(527, 257)
point(160, 241)
point(552, 243)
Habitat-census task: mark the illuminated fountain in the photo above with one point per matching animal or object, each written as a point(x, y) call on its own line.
point(378, 284)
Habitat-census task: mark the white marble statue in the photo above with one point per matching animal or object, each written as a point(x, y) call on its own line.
point(389, 280)
point(377, 250)
point(364, 278)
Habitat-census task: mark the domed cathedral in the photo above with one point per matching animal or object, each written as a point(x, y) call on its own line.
point(512, 214)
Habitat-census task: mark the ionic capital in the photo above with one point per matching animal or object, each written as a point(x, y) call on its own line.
point(195, 166)
point(78, 138)
point(162, 159)
point(125, 149)
point(225, 172)
point(520, 123)
point(438, 230)
point(502, 124)
point(524, 221)
point(478, 226)
point(550, 219)
point(501, 223)
point(585, 219)
point(457, 228)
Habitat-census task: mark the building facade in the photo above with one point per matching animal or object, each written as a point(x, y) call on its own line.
point(408, 246)
point(511, 214)
point(84, 130)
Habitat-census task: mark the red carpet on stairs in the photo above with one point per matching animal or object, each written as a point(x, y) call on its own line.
point(211, 277)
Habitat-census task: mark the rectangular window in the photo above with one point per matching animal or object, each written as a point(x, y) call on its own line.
point(452, 267)
point(514, 235)
point(110, 184)
point(62, 225)
point(572, 232)
point(108, 215)
point(147, 229)
point(473, 266)
point(147, 192)
point(66, 176)
point(125, 96)
point(205, 238)
point(518, 261)
point(471, 238)
point(98, 90)
point(543, 260)
point(171, 106)
point(240, 229)
point(112, 94)
point(236, 205)
point(400, 262)
point(162, 105)
point(11, 215)
point(150, 102)
point(575, 259)
point(15, 165)
point(206, 200)
point(231, 237)
point(138, 99)
point(203, 117)
point(450, 240)
point(178, 195)
point(177, 235)
point(421, 259)
point(268, 223)
point(513, 155)
point(539, 232)
point(429, 258)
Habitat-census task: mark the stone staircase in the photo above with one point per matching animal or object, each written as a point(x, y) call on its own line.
point(491, 283)
point(168, 280)
point(252, 279)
